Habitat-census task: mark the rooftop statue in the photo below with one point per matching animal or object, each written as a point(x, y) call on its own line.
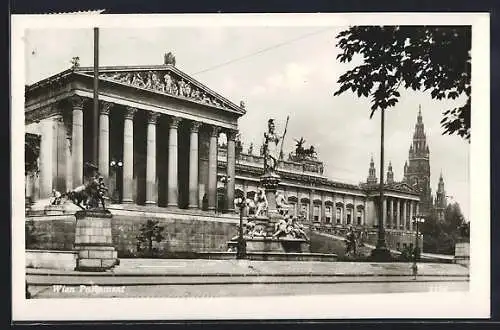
point(169, 58)
point(75, 62)
point(302, 153)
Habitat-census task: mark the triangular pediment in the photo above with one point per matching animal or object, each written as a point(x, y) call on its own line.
point(402, 186)
point(165, 79)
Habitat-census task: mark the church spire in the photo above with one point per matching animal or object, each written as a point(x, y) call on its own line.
point(441, 183)
point(440, 198)
point(417, 170)
point(372, 177)
point(390, 174)
point(419, 145)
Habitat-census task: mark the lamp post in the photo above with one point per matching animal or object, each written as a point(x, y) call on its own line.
point(417, 219)
point(115, 165)
point(225, 180)
point(381, 252)
point(241, 246)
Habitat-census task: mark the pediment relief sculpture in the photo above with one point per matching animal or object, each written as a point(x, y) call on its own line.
point(165, 82)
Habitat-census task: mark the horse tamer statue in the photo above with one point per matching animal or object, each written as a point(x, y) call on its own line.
point(89, 195)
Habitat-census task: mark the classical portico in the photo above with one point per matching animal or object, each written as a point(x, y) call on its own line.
point(154, 123)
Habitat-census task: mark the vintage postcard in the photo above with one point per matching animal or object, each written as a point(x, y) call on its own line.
point(250, 166)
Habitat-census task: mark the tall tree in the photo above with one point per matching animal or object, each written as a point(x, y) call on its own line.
point(428, 58)
point(453, 217)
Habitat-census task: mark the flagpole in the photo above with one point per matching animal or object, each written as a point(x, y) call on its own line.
point(283, 138)
point(95, 117)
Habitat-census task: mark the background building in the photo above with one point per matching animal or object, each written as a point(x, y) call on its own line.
point(417, 173)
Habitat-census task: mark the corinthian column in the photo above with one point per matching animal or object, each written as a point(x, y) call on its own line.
point(104, 140)
point(404, 219)
point(128, 155)
point(77, 140)
point(173, 189)
point(46, 157)
point(212, 169)
point(151, 189)
point(193, 166)
point(411, 215)
point(384, 212)
point(231, 169)
point(398, 215)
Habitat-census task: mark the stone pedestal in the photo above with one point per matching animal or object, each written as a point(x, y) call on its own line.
point(93, 241)
point(260, 237)
point(462, 253)
point(53, 210)
point(284, 245)
point(270, 183)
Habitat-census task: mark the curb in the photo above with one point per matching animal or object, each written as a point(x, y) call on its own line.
point(132, 274)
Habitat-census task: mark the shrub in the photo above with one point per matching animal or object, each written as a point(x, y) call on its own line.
point(149, 232)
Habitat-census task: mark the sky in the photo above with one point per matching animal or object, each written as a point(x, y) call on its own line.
point(278, 72)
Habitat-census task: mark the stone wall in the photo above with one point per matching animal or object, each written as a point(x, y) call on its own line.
point(49, 259)
point(53, 232)
point(393, 237)
point(183, 234)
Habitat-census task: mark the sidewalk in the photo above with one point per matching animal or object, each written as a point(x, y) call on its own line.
point(245, 268)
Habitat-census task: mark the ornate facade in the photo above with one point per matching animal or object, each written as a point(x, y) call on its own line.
point(417, 173)
point(158, 132)
point(158, 146)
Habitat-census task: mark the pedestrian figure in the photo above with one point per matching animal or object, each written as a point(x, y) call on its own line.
point(350, 242)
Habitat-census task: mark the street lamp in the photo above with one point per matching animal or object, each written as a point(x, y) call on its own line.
point(241, 245)
point(114, 165)
point(381, 252)
point(416, 219)
point(225, 180)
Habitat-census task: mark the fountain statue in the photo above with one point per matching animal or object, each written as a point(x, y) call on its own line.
point(272, 229)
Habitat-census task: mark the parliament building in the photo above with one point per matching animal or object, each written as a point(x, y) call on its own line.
point(160, 153)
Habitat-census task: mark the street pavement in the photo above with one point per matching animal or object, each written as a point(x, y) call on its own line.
point(206, 267)
point(247, 290)
point(235, 278)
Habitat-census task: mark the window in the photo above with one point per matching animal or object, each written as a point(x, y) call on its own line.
point(404, 246)
point(360, 217)
point(304, 210)
point(328, 214)
point(338, 215)
point(349, 216)
point(293, 209)
point(398, 246)
point(316, 211)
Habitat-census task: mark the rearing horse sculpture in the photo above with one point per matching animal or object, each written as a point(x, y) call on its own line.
point(89, 195)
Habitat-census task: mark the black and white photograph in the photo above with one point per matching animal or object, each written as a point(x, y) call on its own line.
point(307, 165)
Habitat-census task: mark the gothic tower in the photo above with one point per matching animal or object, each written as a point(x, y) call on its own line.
point(390, 174)
point(372, 177)
point(417, 171)
point(440, 204)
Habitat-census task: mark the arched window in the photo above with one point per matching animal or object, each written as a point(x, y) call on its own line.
point(359, 217)
point(338, 215)
point(316, 212)
point(328, 213)
point(304, 210)
point(292, 201)
point(349, 216)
